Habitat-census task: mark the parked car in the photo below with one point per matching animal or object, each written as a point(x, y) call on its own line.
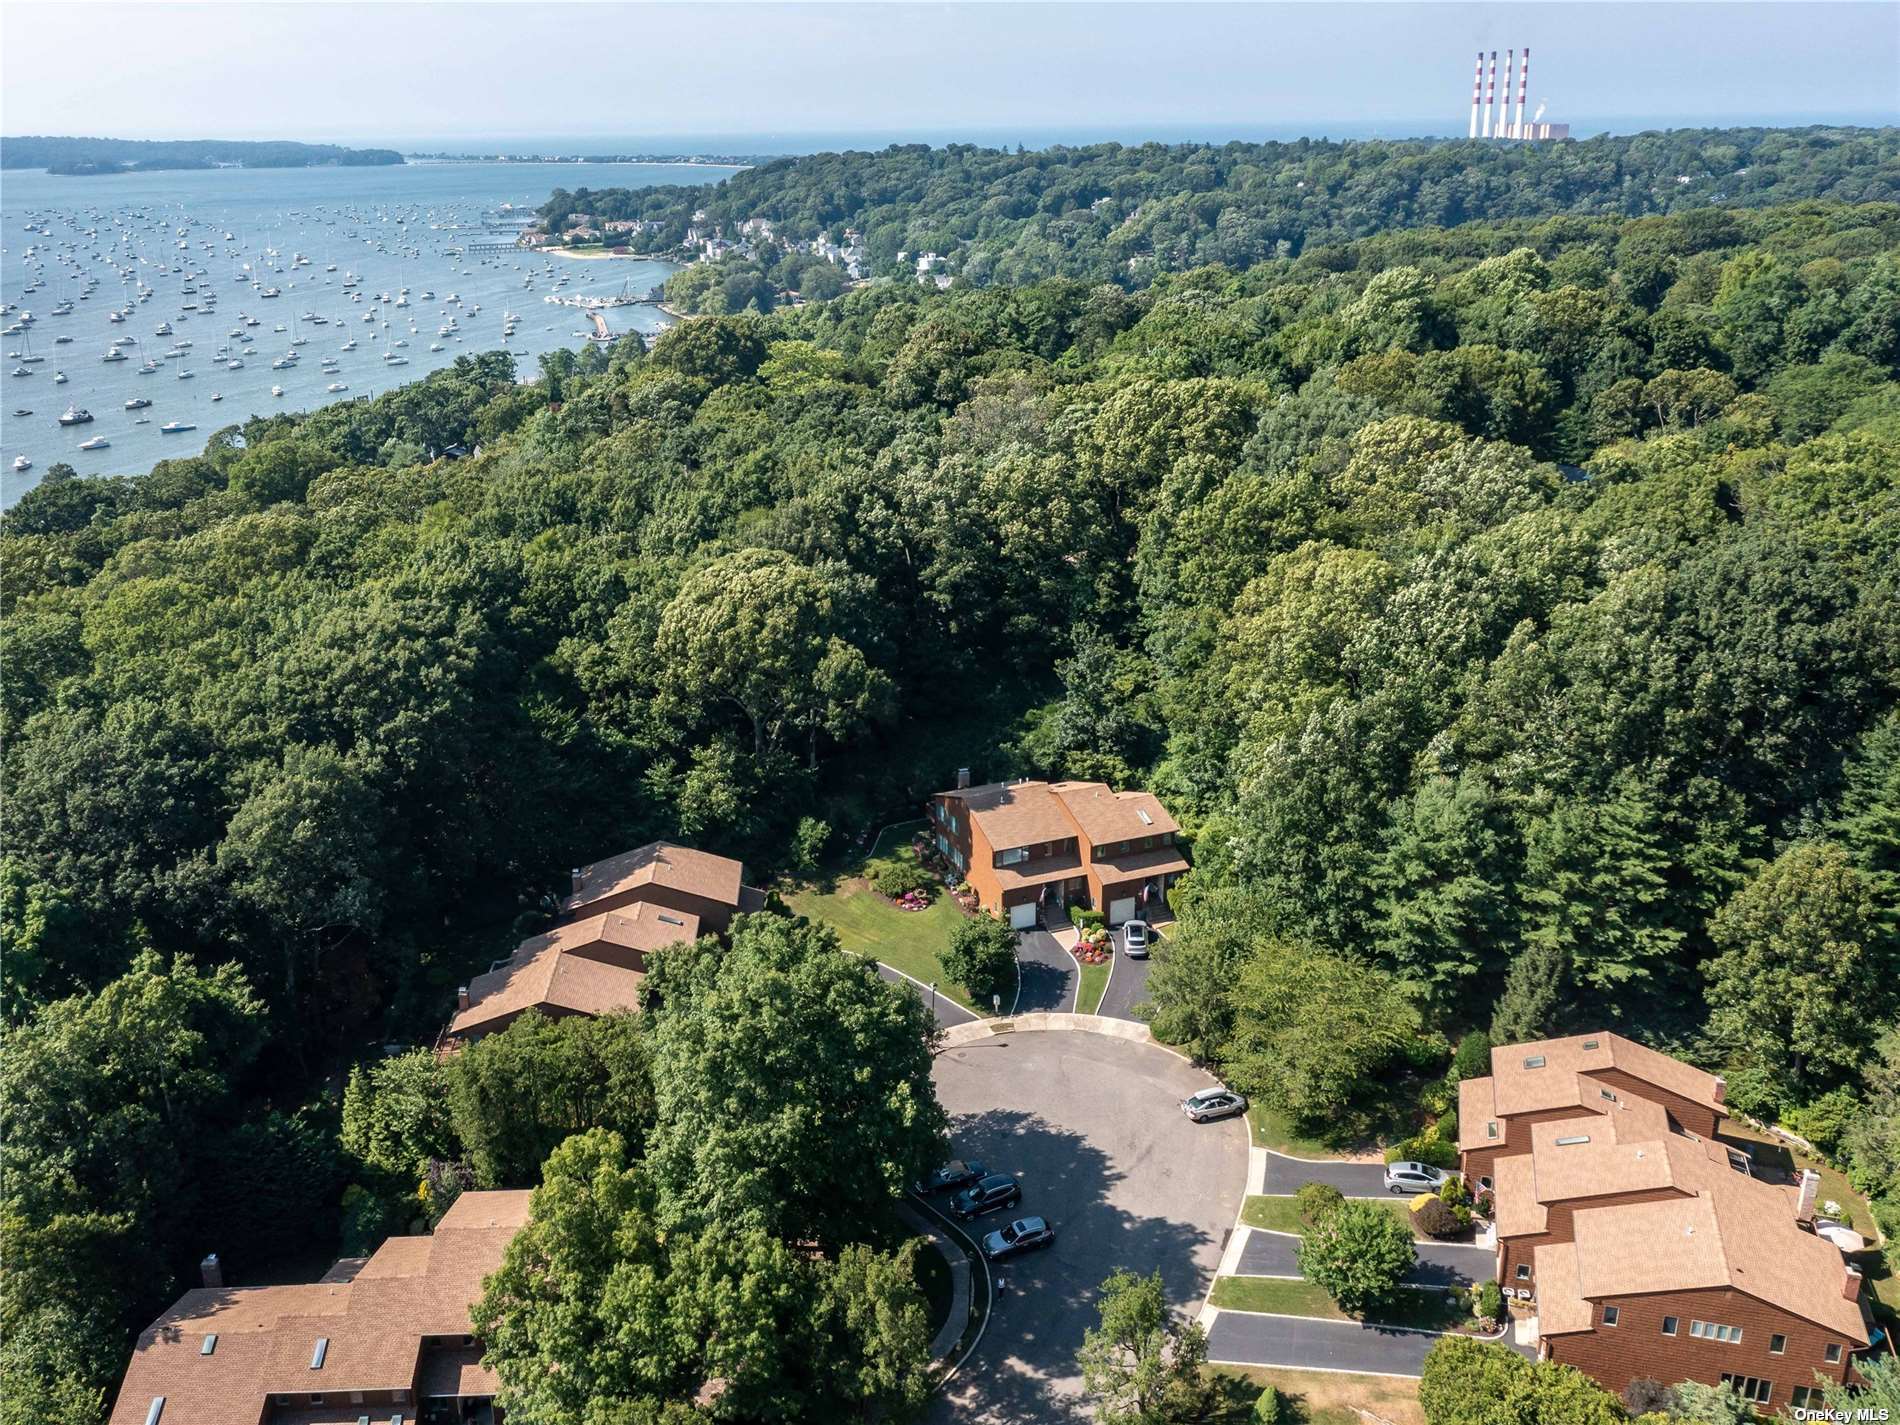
point(986, 1195)
point(1025, 1234)
point(954, 1174)
point(1210, 1104)
point(1414, 1177)
point(1135, 939)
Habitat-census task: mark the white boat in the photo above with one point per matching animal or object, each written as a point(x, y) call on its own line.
point(177, 427)
point(277, 390)
point(75, 416)
point(98, 442)
point(20, 462)
point(217, 396)
point(114, 355)
point(336, 386)
point(59, 378)
point(185, 375)
point(137, 403)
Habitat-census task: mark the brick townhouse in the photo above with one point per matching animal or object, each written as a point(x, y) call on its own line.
point(1641, 1237)
point(385, 1338)
point(1024, 845)
point(617, 913)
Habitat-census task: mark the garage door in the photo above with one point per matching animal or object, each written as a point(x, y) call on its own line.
point(1118, 911)
point(1023, 917)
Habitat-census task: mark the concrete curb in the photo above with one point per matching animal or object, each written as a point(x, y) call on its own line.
point(946, 1361)
point(959, 1263)
point(1043, 1021)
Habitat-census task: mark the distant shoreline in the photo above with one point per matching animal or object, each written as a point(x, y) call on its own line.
point(667, 161)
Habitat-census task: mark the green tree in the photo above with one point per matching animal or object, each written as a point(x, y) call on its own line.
point(1311, 1029)
point(1792, 947)
point(514, 1096)
point(793, 1085)
point(981, 956)
point(396, 1114)
point(1358, 1254)
point(1535, 993)
point(1143, 1366)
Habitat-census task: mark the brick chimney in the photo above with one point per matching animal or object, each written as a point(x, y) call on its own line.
point(213, 1271)
point(963, 778)
point(1850, 1284)
point(1810, 1189)
point(1721, 1089)
point(461, 997)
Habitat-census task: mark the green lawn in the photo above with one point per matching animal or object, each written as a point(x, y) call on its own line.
point(1426, 1310)
point(868, 924)
point(1272, 1129)
point(1094, 981)
point(1282, 1214)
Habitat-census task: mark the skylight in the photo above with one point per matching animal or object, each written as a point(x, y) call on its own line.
point(322, 1350)
point(210, 1344)
point(1536, 1061)
point(1574, 1139)
point(158, 1409)
point(1146, 820)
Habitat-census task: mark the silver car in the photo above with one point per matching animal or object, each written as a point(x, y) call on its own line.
point(1136, 938)
point(1414, 1177)
point(1210, 1104)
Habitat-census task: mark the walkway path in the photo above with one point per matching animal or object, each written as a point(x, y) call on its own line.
point(951, 1331)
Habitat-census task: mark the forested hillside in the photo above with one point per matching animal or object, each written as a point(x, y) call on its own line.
point(1121, 214)
point(1510, 613)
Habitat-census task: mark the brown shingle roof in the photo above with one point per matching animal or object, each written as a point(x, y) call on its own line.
point(1553, 1084)
point(372, 1321)
point(1515, 1207)
point(1159, 861)
point(699, 873)
point(1560, 1304)
point(549, 979)
point(1477, 1108)
point(1739, 1234)
point(1105, 815)
point(1015, 814)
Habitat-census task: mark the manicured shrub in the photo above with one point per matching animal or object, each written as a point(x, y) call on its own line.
point(1489, 1300)
point(1269, 1408)
point(1316, 1201)
point(981, 957)
point(1428, 1147)
point(894, 878)
point(1358, 1254)
point(1435, 1219)
point(1086, 919)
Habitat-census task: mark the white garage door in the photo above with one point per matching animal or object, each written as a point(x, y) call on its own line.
point(1023, 917)
point(1118, 911)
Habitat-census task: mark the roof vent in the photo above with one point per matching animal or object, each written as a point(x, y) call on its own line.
point(158, 1409)
point(671, 920)
point(322, 1350)
point(210, 1344)
point(1573, 1139)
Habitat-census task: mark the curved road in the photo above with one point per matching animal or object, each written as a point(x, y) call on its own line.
point(1090, 1125)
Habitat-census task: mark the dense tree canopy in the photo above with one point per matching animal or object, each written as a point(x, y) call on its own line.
point(1507, 611)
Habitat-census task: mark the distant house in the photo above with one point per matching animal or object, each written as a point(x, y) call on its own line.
point(618, 912)
point(387, 1337)
point(1024, 845)
point(1641, 1237)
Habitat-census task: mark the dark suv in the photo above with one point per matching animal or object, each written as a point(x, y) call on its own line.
point(986, 1195)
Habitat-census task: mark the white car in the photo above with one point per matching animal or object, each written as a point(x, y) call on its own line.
point(1136, 937)
point(1414, 1177)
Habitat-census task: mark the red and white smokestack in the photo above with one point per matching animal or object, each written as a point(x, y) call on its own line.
point(1477, 90)
point(1504, 109)
point(1490, 94)
point(1523, 88)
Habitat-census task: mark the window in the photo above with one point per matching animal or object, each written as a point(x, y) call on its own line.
point(1833, 1353)
point(1491, 1129)
point(1523, 1271)
point(1607, 1094)
point(1484, 1184)
point(1777, 1344)
point(1806, 1396)
point(1012, 856)
point(1669, 1325)
point(1711, 1331)
point(1536, 1061)
point(1751, 1387)
point(1611, 1315)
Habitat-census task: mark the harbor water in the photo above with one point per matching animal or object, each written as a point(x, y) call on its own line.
point(407, 266)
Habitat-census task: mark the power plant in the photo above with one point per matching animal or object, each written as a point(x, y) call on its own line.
point(1485, 87)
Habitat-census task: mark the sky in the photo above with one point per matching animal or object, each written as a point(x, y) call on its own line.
point(578, 75)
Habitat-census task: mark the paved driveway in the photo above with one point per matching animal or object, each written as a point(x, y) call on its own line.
point(1241, 1338)
point(1090, 1124)
point(1048, 975)
point(1127, 987)
point(1273, 1254)
point(949, 1012)
point(1284, 1176)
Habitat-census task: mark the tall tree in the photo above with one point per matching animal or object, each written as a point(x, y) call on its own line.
point(1143, 1365)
